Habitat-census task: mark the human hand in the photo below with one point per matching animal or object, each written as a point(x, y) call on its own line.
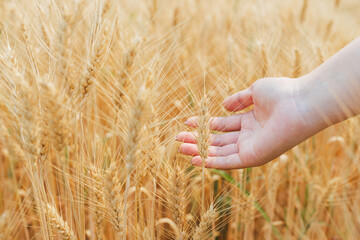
point(276, 124)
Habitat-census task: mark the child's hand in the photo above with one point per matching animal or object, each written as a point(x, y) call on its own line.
point(250, 139)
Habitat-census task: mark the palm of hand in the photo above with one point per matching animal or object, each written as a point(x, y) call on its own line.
point(255, 137)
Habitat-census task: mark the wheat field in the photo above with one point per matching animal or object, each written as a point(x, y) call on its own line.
point(93, 93)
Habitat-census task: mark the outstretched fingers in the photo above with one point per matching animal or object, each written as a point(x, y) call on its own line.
point(191, 149)
point(223, 124)
point(224, 162)
point(215, 139)
point(239, 101)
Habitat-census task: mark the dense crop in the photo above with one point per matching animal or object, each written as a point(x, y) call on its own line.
point(93, 93)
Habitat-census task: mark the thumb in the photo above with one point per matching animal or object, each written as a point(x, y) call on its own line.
point(239, 101)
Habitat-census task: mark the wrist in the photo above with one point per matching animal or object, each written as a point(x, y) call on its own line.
point(325, 99)
point(315, 103)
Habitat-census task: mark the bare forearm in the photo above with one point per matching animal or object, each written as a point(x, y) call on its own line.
point(331, 93)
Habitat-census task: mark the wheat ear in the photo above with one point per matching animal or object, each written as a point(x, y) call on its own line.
point(55, 116)
point(328, 192)
point(91, 71)
point(178, 202)
point(202, 231)
point(58, 222)
point(98, 187)
point(203, 131)
point(133, 138)
point(112, 195)
point(122, 86)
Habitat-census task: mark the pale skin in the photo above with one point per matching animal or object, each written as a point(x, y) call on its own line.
point(286, 112)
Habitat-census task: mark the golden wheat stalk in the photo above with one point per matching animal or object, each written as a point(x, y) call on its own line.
point(124, 76)
point(58, 223)
point(98, 189)
point(202, 230)
point(178, 202)
point(97, 60)
point(56, 127)
point(203, 137)
point(113, 198)
point(133, 137)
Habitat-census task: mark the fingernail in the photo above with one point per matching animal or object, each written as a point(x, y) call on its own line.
point(186, 122)
point(176, 138)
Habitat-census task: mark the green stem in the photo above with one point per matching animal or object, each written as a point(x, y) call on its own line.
point(230, 179)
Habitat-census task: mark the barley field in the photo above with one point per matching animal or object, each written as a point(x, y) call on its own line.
point(93, 93)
